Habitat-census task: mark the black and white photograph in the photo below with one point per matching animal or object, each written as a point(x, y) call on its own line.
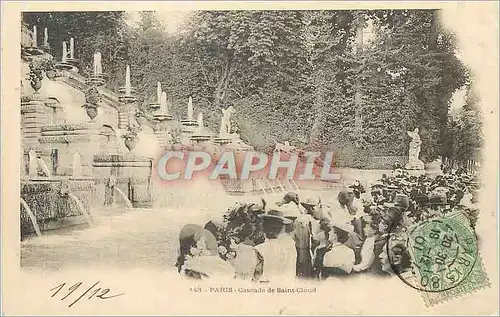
point(232, 159)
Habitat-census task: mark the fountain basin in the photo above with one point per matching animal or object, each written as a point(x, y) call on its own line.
point(97, 80)
point(200, 138)
point(123, 90)
point(189, 123)
point(33, 51)
point(48, 200)
point(222, 140)
point(132, 175)
point(127, 99)
point(66, 66)
point(162, 117)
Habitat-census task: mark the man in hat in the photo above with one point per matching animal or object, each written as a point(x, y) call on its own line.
point(332, 258)
point(350, 210)
point(358, 189)
point(437, 204)
point(402, 203)
point(278, 252)
point(303, 230)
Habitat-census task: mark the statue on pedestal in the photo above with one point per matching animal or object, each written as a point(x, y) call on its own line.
point(225, 127)
point(414, 163)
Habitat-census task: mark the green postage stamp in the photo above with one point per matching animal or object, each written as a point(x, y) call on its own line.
point(445, 260)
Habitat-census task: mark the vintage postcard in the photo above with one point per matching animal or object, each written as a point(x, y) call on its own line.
point(249, 158)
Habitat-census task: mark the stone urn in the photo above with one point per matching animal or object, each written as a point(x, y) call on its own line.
point(36, 85)
point(130, 144)
point(51, 74)
point(91, 111)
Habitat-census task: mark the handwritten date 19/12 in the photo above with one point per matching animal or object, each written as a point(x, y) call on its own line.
point(89, 293)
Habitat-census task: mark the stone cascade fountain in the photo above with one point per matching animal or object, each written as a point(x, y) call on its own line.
point(98, 77)
point(54, 192)
point(188, 125)
point(201, 134)
point(68, 61)
point(73, 169)
point(162, 125)
point(128, 102)
point(60, 181)
point(29, 42)
point(127, 175)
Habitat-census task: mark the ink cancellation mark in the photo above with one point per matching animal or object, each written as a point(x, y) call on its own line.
point(443, 253)
point(93, 292)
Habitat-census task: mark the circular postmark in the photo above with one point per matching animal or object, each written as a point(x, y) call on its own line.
point(442, 253)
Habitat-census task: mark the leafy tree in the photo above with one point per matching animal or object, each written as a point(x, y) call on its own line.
point(466, 136)
point(415, 57)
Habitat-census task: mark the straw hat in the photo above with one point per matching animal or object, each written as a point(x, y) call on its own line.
point(310, 201)
point(290, 210)
point(275, 212)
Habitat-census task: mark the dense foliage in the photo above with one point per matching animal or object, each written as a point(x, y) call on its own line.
point(309, 77)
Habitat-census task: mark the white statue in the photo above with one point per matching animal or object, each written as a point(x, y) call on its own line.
point(414, 163)
point(77, 165)
point(225, 127)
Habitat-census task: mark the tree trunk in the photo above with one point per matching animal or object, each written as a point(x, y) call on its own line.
point(358, 95)
point(319, 109)
point(434, 32)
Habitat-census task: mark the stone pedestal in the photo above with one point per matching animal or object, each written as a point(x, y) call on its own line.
point(125, 113)
point(131, 174)
point(161, 129)
point(415, 165)
point(66, 139)
point(222, 141)
point(189, 125)
point(34, 116)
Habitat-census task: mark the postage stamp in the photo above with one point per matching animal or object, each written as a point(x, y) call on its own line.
point(444, 255)
point(209, 158)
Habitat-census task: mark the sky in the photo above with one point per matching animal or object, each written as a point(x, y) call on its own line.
point(171, 19)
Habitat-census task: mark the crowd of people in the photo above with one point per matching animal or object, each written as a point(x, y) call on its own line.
point(315, 238)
